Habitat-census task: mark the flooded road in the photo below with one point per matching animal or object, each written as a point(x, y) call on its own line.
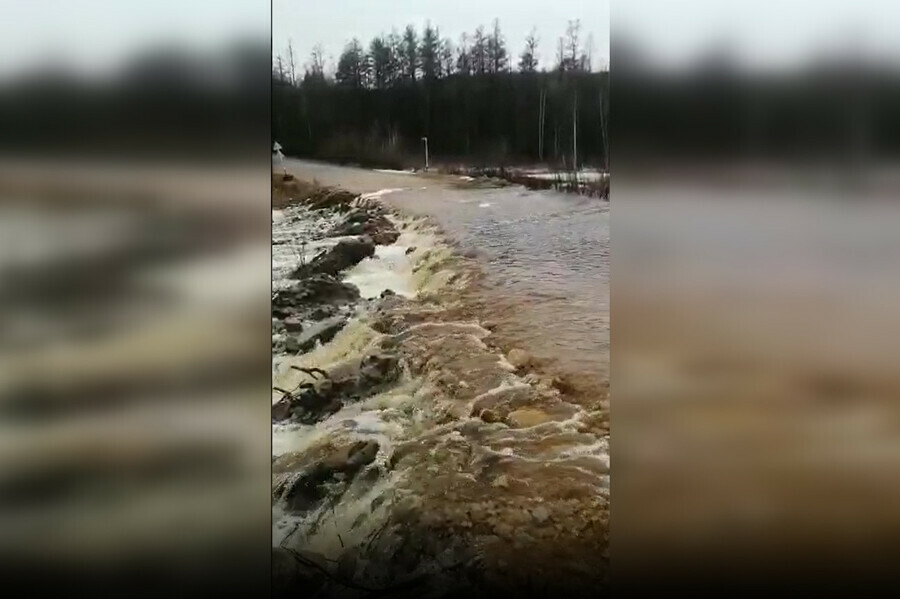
point(545, 256)
point(460, 393)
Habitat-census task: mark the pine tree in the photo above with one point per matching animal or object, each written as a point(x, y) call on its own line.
point(395, 65)
point(380, 61)
point(429, 53)
point(410, 55)
point(352, 69)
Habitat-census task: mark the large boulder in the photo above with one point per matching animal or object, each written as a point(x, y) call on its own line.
point(366, 222)
point(331, 199)
point(305, 298)
point(345, 254)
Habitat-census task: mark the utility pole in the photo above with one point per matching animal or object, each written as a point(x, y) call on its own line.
point(425, 139)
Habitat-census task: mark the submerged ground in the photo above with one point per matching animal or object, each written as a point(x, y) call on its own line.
point(440, 411)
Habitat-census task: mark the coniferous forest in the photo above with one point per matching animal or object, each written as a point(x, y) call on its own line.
point(477, 101)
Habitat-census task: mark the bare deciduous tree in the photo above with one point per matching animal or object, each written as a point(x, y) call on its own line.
point(464, 56)
point(528, 60)
point(293, 72)
point(496, 50)
point(479, 52)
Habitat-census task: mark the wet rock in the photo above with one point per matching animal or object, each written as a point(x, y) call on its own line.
point(292, 324)
point(345, 254)
point(387, 293)
point(312, 405)
point(321, 332)
point(489, 416)
point(386, 237)
point(351, 458)
point(378, 368)
point(307, 295)
point(323, 312)
point(367, 222)
point(311, 413)
point(309, 487)
point(334, 199)
point(281, 410)
point(309, 403)
point(306, 490)
point(348, 383)
point(410, 250)
point(561, 385)
point(519, 358)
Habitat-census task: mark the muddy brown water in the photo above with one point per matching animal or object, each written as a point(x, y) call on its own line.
point(511, 474)
point(544, 255)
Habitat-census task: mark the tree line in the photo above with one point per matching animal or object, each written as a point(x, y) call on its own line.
point(473, 100)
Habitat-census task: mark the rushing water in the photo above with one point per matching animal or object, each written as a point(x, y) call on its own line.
point(545, 256)
point(471, 441)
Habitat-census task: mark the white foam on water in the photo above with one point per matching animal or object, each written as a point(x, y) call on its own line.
point(582, 175)
point(484, 205)
point(288, 437)
point(353, 340)
point(502, 388)
point(390, 268)
point(393, 172)
point(467, 178)
point(380, 192)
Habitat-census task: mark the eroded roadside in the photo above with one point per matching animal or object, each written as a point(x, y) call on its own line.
point(406, 449)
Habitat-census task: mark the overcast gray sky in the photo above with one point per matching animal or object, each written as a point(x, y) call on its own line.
point(308, 22)
point(769, 33)
point(98, 35)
